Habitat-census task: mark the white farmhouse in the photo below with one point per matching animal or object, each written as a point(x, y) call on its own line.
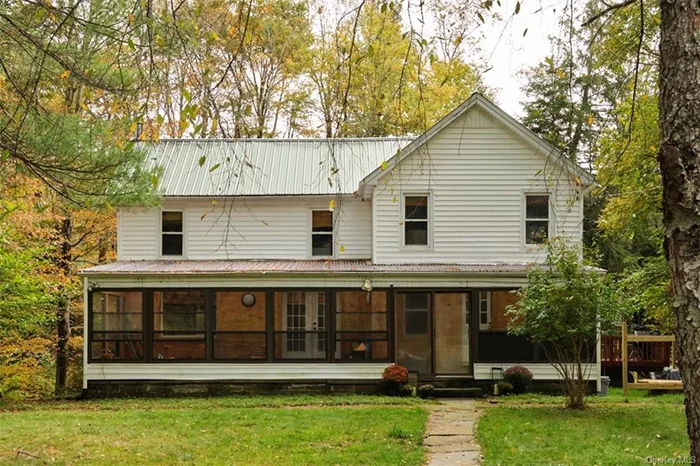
point(321, 261)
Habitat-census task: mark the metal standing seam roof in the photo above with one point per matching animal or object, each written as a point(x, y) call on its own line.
point(267, 167)
point(223, 266)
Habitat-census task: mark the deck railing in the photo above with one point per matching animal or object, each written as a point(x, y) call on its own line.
point(640, 354)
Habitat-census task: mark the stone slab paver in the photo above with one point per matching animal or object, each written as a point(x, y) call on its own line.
point(449, 436)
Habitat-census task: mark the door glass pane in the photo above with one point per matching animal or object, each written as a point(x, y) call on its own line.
point(452, 333)
point(300, 325)
point(413, 340)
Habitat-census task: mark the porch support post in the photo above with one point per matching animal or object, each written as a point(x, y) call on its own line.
point(474, 314)
point(209, 323)
point(147, 316)
point(391, 326)
point(330, 324)
point(87, 319)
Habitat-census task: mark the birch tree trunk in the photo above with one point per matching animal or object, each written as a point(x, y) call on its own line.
point(679, 158)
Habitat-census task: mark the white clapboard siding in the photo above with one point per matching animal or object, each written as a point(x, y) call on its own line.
point(137, 234)
point(477, 172)
point(252, 228)
point(545, 371)
point(234, 372)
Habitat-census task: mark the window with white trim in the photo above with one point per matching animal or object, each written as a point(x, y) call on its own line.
point(321, 233)
point(484, 310)
point(172, 233)
point(536, 218)
point(416, 220)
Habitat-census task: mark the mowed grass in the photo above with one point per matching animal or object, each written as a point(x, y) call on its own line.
point(233, 430)
point(615, 396)
point(535, 429)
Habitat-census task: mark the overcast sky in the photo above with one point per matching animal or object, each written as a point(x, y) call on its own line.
point(508, 52)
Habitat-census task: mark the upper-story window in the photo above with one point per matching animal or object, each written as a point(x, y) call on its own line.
point(536, 218)
point(416, 220)
point(172, 233)
point(321, 233)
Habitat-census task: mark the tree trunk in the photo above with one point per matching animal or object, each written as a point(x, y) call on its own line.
point(65, 260)
point(679, 157)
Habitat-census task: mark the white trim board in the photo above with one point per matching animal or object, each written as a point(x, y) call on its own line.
point(540, 371)
point(247, 371)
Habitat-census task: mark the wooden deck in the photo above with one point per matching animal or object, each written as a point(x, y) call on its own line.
point(641, 354)
point(646, 384)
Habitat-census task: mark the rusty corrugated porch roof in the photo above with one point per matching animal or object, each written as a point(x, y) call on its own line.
point(225, 267)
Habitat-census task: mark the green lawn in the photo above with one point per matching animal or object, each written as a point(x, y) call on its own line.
point(535, 429)
point(233, 430)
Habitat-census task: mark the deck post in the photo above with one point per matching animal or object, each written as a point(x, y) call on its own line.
point(624, 357)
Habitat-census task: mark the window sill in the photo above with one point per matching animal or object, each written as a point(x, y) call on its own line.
point(416, 247)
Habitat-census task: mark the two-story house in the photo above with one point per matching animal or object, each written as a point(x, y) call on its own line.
point(322, 261)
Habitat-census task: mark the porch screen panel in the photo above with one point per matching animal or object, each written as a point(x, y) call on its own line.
point(239, 332)
point(414, 332)
point(179, 325)
point(495, 344)
point(361, 325)
point(117, 326)
point(300, 325)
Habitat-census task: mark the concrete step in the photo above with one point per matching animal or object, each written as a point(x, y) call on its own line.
point(458, 392)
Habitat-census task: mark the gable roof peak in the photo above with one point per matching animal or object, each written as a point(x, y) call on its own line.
point(541, 146)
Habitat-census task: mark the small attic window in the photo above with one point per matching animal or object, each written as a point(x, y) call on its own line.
point(172, 233)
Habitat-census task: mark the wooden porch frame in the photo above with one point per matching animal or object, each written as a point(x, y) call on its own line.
point(648, 384)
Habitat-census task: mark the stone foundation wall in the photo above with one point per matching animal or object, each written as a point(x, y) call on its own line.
point(127, 389)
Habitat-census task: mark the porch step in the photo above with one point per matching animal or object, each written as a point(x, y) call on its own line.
point(472, 392)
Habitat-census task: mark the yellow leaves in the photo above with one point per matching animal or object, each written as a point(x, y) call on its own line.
point(578, 181)
point(331, 205)
point(591, 119)
point(232, 31)
point(385, 165)
point(65, 74)
point(131, 18)
point(342, 248)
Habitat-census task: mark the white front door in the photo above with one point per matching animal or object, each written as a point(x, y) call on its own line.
point(305, 325)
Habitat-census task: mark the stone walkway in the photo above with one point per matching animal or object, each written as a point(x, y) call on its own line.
point(449, 435)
